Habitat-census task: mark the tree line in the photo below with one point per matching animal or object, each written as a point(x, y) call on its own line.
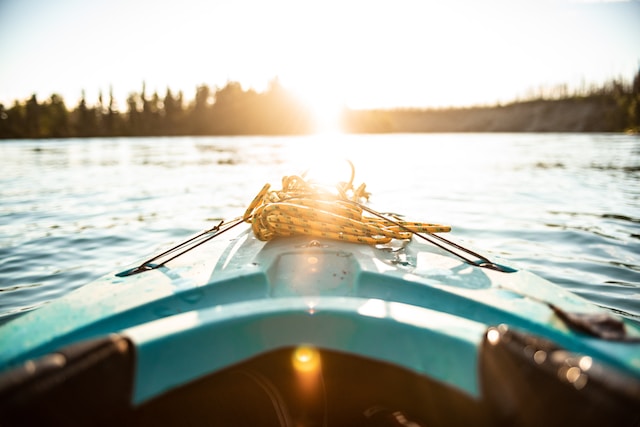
point(230, 110)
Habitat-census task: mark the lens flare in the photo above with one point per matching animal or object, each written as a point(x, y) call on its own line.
point(306, 359)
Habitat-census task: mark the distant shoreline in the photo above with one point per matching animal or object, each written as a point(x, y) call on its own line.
point(231, 110)
point(594, 114)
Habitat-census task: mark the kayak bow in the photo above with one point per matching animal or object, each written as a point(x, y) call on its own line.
point(313, 309)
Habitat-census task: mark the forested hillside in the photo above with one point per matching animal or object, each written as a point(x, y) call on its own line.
point(613, 107)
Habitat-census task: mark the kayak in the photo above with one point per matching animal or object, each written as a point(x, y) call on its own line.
point(313, 309)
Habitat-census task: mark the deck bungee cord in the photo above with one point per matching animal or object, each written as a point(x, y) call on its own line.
point(305, 207)
point(182, 248)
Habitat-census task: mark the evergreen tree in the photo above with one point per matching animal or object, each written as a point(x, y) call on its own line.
point(85, 120)
point(56, 117)
point(171, 114)
point(32, 118)
point(634, 104)
point(200, 119)
point(133, 115)
point(111, 119)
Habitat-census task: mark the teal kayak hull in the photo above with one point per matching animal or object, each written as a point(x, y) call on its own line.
point(408, 304)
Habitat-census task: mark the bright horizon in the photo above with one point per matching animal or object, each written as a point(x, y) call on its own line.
point(374, 54)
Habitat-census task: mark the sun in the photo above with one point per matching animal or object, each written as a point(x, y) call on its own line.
point(325, 105)
point(327, 116)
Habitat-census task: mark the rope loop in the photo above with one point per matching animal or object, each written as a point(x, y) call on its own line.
point(303, 207)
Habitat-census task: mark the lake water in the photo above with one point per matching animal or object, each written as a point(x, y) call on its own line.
point(565, 206)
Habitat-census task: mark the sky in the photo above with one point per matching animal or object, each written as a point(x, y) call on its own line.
point(359, 54)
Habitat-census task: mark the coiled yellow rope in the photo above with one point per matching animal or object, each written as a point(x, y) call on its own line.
point(303, 208)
